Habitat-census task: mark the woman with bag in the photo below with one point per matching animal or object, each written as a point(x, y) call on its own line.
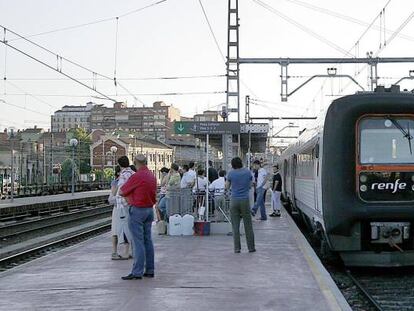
point(115, 216)
point(124, 236)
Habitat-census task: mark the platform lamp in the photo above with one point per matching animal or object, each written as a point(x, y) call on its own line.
point(114, 149)
point(73, 143)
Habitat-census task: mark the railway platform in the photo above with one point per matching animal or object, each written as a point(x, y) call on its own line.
point(192, 273)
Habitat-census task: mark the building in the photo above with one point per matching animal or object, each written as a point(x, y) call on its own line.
point(70, 117)
point(154, 122)
point(158, 154)
point(208, 115)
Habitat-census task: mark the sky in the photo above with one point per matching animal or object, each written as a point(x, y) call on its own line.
point(172, 39)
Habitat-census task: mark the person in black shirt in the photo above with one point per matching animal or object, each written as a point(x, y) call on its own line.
point(212, 172)
point(276, 191)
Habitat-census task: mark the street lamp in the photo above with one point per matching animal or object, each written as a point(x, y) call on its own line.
point(114, 149)
point(73, 143)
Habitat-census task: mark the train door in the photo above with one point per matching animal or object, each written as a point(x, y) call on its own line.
point(284, 177)
point(292, 180)
point(315, 153)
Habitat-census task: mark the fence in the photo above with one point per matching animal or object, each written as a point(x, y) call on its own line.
point(185, 201)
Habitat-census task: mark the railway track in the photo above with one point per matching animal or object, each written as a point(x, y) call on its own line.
point(386, 289)
point(50, 247)
point(18, 229)
point(369, 289)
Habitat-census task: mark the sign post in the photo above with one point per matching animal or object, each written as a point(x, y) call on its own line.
point(207, 193)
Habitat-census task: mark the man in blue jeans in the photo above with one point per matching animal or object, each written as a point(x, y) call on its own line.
point(140, 192)
point(260, 190)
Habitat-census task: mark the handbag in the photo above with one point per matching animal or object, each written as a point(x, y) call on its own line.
point(161, 227)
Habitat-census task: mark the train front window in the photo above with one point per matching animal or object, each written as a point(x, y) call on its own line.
point(387, 140)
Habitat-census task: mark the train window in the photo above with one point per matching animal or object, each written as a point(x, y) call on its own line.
point(316, 151)
point(386, 140)
point(305, 164)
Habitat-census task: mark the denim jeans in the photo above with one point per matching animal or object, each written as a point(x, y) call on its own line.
point(140, 222)
point(162, 206)
point(240, 208)
point(260, 203)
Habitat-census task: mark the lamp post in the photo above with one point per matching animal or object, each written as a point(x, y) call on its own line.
point(114, 149)
point(73, 142)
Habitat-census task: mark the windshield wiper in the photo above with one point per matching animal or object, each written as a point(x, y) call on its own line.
point(403, 131)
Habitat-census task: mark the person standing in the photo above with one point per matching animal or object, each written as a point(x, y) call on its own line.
point(276, 192)
point(124, 236)
point(173, 201)
point(140, 191)
point(212, 172)
point(115, 214)
point(240, 180)
point(185, 178)
point(161, 206)
point(218, 188)
point(260, 190)
point(191, 175)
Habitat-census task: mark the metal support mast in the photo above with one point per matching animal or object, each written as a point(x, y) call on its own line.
point(233, 81)
point(233, 66)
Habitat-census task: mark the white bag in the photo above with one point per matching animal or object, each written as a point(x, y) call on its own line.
point(161, 227)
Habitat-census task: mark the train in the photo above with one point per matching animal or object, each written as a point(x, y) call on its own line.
point(350, 177)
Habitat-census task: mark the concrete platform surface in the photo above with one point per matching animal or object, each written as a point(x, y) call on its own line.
point(192, 273)
point(53, 198)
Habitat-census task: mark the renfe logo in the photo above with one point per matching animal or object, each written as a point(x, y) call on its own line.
point(389, 186)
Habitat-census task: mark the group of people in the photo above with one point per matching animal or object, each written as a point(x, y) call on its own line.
point(133, 194)
point(262, 181)
point(186, 177)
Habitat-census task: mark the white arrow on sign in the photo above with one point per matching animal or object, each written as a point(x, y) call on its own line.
point(180, 127)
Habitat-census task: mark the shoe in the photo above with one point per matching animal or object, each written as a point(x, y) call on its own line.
point(277, 214)
point(253, 213)
point(149, 275)
point(252, 251)
point(131, 277)
point(117, 257)
point(263, 219)
point(273, 214)
point(237, 251)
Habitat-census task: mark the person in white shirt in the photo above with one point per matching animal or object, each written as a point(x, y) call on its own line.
point(192, 174)
point(260, 190)
point(185, 179)
point(218, 188)
point(200, 185)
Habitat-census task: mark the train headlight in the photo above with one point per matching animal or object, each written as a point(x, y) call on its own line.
point(363, 188)
point(388, 123)
point(363, 178)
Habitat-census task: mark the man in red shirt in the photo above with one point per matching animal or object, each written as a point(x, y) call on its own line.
point(140, 191)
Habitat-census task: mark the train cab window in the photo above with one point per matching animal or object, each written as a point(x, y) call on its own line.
point(386, 140)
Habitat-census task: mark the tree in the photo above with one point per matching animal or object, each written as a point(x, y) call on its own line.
point(82, 155)
point(66, 171)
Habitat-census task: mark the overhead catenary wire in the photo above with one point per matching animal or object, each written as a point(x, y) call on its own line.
point(384, 46)
point(136, 78)
point(346, 17)
point(211, 31)
point(127, 94)
point(302, 27)
point(218, 45)
point(29, 94)
point(23, 108)
point(355, 45)
point(93, 22)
